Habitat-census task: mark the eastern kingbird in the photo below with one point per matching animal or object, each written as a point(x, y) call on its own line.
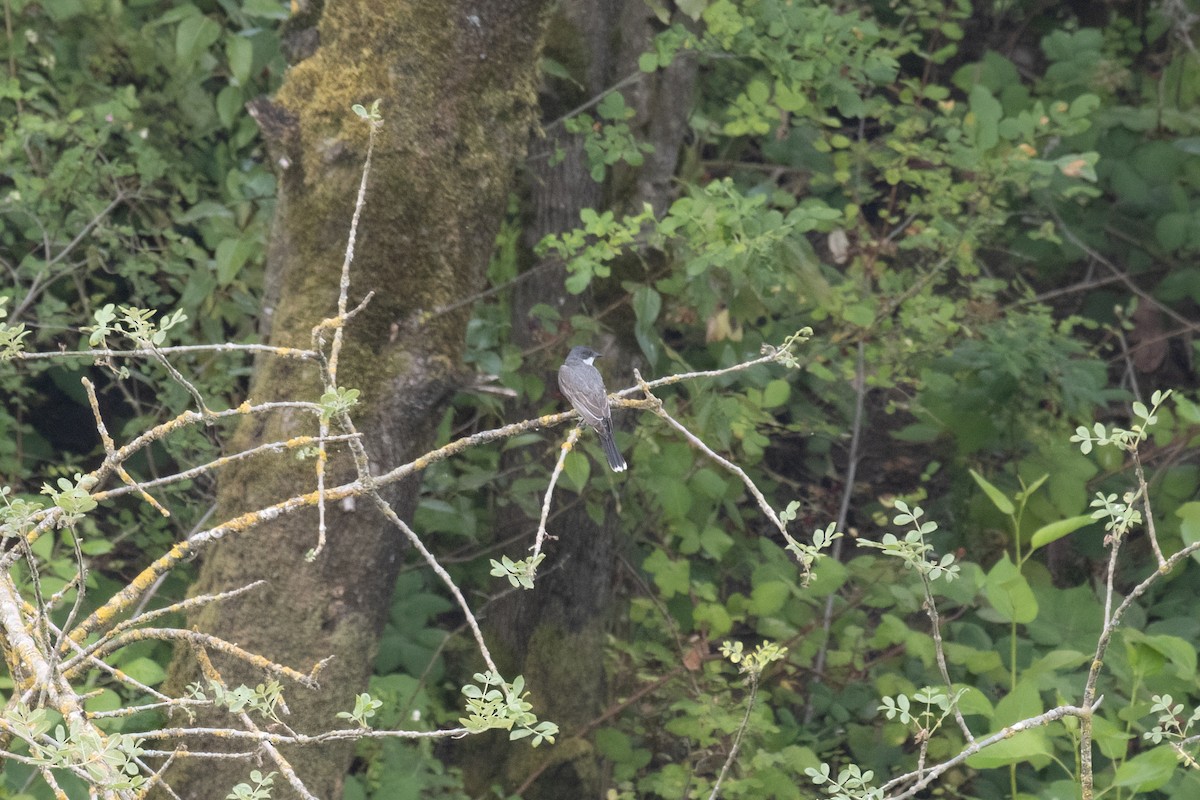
point(583, 386)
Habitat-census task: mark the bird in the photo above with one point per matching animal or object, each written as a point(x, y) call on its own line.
point(581, 383)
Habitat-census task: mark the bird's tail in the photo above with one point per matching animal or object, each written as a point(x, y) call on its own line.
point(615, 462)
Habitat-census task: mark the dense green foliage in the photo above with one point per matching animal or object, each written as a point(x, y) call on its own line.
point(130, 175)
point(133, 176)
point(944, 208)
point(993, 240)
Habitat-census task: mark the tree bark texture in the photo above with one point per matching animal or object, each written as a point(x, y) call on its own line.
point(458, 83)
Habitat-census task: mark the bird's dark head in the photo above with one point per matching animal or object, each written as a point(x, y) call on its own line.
point(584, 354)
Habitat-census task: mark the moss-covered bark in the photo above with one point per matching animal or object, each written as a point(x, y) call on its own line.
point(458, 87)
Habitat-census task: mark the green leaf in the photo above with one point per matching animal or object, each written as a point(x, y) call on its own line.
point(1009, 592)
point(240, 52)
point(1172, 230)
point(709, 483)
point(1021, 748)
point(975, 702)
point(675, 498)
point(205, 209)
point(716, 618)
point(1075, 623)
point(758, 92)
point(265, 9)
point(1146, 772)
point(647, 304)
point(144, 670)
point(670, 576)
point(1149, 652)
point(978, 662)
point(918, 432)
point(692, 8)
point(62, 10)
point(612, 107)
point(1032, 488)
point(178, 12)
point(768, 598)
point(861, 314)
point(1057, 530)
point(984, 118)
point(96, 547)
point(787, 99)
point(1190, 145)
point(578, 281)
point(194, 36)
point(776, 393)
point(437, 515)
point(830, 576)
point(577, 468)
point(557, 70)
point(998, 498)
point(232, 255)
point(1021, 703)
point(1046, 671)
point(715, 542)
point(106, 700)
point(229, 105)
point(1112, 739)
point(1189, 524)
point(614, 743)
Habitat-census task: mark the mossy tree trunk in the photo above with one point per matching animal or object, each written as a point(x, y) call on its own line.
point(458, 84)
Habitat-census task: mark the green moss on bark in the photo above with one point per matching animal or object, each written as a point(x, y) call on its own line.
point(458, 88)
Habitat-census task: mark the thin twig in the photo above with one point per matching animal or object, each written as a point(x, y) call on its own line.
point(1143, 493)
point(657, 407)
point(74, 666)
point(110, 449)
point(572, 438)
point(971, 749)
point(338, 324)
point(939, 650)
point(227, 347)
point(1121, 276)
point(856, 426)
point(737, 740)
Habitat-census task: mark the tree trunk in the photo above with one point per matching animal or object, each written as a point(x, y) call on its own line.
point(458, 85)
point(556, 634)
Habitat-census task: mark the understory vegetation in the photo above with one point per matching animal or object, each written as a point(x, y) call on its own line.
point(929, 288)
